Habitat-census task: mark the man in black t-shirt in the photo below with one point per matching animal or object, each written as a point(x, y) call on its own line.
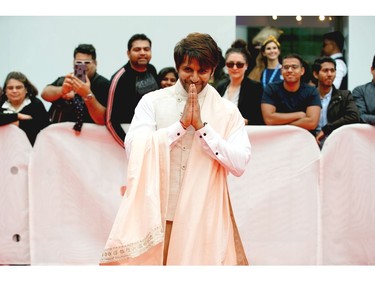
point(291, 102)
point(93, 93)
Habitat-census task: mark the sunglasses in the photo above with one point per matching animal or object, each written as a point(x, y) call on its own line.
point(232, 64)
point(87, 62)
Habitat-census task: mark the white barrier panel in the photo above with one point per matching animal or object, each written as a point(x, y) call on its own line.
point(275, 200)
point(75, 185)
point(294, 205)
point(15, 151)
point(348, 196)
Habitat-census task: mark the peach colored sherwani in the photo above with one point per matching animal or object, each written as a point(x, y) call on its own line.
point(179, 178)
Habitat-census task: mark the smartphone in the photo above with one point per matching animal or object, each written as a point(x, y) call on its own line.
point(80, 71)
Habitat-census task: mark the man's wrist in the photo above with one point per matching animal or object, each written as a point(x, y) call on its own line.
point(183, 125)
point(62, 92)
point(200, 127)
point(89, 97)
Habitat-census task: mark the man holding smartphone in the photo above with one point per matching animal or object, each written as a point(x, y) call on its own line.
point(66, 91)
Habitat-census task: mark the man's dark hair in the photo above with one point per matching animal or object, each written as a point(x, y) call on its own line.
point(138, 36)
point(87, 49)
point(197, 46)
point(319, 61)
point(337, 37)
point(373, 62)
point(295, 56)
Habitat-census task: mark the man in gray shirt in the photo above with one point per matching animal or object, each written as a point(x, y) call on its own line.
point(364, 96)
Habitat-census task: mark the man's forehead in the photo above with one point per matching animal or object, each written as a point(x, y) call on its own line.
point(327, 65)
point(140, 44)
point(188, 61)
point(291, 60)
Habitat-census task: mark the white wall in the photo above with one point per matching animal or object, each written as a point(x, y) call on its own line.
point(361, 49)
point(42, 46)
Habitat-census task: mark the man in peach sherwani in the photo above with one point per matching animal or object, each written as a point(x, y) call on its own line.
point(182, 143)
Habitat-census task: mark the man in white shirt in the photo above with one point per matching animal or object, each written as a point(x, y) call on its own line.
point(333, 45)
point(181, 144)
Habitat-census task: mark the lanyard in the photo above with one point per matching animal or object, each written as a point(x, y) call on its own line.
point(272, 75)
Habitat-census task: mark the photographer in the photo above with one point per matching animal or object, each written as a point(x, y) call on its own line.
point(75, 100)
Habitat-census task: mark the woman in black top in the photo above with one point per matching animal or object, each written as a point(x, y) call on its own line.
point(238, 88)
point(20, 106)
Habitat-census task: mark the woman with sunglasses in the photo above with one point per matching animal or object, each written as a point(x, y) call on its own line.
point(20, 106)
point(238, 88)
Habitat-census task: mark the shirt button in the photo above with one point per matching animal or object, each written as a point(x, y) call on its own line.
point(204, 134)
point(217, 153)
point(183, 167)
point(178, 134)
point(200, 136)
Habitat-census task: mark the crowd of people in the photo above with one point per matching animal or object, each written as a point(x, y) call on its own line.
point(238, 77)
point(190, 118)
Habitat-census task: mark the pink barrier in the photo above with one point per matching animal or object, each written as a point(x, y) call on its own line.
point(75, 185)
point(15, 151)
point(294, 205)
point(348, 196)
point(275, 201)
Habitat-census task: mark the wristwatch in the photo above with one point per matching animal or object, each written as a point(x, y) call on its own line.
point(88, 97)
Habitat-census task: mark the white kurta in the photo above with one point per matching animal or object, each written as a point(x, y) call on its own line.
point(203, 231)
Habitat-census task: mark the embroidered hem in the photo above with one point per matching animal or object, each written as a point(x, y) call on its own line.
point(135, 249)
